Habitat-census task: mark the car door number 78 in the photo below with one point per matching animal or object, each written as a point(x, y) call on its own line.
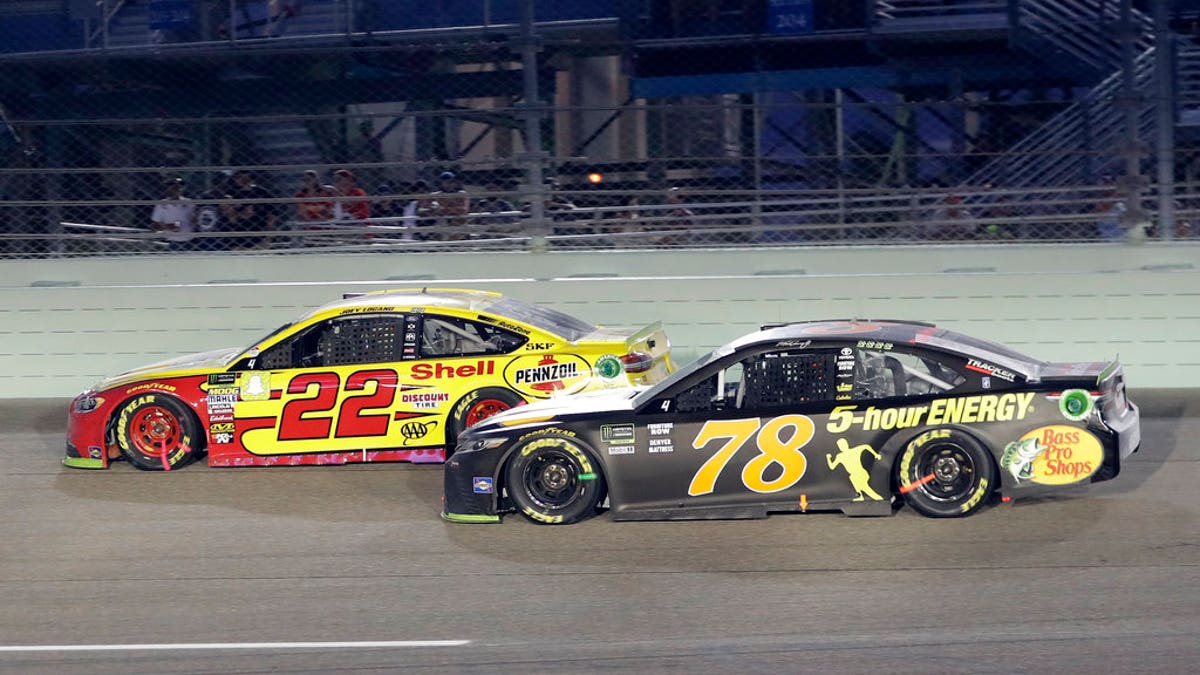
point(775, 446)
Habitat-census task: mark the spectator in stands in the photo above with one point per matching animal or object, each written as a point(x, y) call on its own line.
point(418, 210)
point(555, 200)
point(1111, 210)
point(248, 216)
point(391, 209)
point(451, 205)
point(210, 215)
point(316, 200)
point(677, 218)
point(354, 208)
point(175, 216)
point(951, 220)
point(494, 212)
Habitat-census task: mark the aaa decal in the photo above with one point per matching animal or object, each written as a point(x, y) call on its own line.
point(547, 375)
point(963, 410)
point(1053, 455)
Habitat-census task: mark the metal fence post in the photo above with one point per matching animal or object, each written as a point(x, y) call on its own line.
point(530, 108)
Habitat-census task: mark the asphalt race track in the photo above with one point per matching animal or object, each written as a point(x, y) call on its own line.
point(1104, 578)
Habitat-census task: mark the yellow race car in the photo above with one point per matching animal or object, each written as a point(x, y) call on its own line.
point(384, 376)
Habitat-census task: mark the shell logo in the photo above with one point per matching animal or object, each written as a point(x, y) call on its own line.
point(1068, 454)
point(546, 375)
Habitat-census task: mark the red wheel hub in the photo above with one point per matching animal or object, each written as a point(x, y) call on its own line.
point(485, 408)
point(155, 431)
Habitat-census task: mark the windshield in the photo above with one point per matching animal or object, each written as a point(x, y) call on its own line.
point(686, 371)
point(549, 320)
point(259, 341)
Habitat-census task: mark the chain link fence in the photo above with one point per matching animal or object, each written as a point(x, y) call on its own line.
point(352, 125)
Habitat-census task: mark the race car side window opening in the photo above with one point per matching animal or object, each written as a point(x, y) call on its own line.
point(341, 341)
point(443, 336)
point(764, 381)
point(884, 374)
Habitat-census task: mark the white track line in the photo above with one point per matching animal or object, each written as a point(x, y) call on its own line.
point(404, 644)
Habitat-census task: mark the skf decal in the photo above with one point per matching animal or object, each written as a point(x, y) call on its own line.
point(964, 410)
point(538, 346)
point(993, 370)
point(1053, 455)
point(547, 375)
point(444, 371)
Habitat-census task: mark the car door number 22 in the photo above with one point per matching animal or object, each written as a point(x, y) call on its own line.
point(298, 422)
point(774, 444)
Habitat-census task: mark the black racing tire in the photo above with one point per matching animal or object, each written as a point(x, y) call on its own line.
point(946, 473)
point(554, 479)
point(476, 407)
point(156, 432)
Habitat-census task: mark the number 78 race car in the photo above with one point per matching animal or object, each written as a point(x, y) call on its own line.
point(387, 376)
point(837, 415)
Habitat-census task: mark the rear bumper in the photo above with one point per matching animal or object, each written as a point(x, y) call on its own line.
point(1128, 428)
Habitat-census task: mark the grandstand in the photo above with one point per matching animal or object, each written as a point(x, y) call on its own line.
point(792, 121)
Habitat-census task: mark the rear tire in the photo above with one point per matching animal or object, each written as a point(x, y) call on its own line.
point(552, 479)
point(157, 433)
point(476, 407)
point(946, 474)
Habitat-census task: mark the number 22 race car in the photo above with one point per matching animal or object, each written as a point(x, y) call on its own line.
point(839, 415)
point(386, 376)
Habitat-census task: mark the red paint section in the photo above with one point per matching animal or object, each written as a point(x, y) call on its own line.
point(422, 456)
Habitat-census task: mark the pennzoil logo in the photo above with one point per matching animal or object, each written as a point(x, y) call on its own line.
point(548, 374)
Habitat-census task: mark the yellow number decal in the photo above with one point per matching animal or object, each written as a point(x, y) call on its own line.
point(738, 432)
point(772, 448)
point(775, 450)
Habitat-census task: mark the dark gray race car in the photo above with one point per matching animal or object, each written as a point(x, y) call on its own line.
point(853, 416)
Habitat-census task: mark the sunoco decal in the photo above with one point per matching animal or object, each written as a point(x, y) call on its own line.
point(963, 410)
point(547, 374)
point(1053, 455)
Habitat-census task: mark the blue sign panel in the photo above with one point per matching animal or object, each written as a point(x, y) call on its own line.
point(170, 14)
point(790, 16)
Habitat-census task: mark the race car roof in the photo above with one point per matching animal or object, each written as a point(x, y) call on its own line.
point(900, 332)
point(455, 298)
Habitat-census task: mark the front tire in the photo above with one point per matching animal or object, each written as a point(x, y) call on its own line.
point(946, 473)
point(553, 479)
point(157, 433)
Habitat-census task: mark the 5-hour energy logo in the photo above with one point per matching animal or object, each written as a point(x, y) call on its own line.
point(964, 410)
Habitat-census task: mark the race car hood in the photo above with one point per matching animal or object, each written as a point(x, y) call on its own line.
point(558, 408)
point(181, 365)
